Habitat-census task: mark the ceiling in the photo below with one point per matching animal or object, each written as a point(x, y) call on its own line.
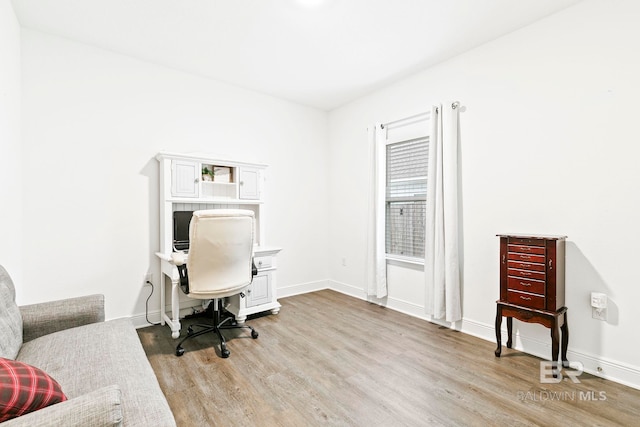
point(321, 56)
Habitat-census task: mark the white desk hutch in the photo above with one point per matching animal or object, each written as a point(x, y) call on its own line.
point(192, 182)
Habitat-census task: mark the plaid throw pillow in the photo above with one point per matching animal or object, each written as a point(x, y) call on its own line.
point(25, 388)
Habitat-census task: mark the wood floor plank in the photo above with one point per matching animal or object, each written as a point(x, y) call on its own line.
point(331, 360)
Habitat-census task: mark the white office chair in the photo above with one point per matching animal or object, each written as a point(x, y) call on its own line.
point(219, 264)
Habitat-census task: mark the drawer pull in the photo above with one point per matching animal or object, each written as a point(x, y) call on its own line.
point(525, 284)
point(525, 273)
point(525, 298)
point(525, 257)
point(525, 248)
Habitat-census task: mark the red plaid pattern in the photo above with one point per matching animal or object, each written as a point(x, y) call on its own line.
point(25, 388)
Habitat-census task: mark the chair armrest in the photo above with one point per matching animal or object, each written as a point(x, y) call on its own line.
point(102, 407)
point(53, 316)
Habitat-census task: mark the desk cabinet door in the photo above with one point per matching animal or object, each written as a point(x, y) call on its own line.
point(260, 290)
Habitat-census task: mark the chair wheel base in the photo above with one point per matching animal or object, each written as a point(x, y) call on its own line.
point(254, 334)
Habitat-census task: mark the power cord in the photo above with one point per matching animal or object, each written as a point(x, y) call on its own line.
point(147, 306)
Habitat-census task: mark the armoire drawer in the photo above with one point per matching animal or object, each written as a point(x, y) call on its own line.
point(525, 299)
point(526, 285)
point(527, 274)
point(526, 249)
point(515, 256)
point(525, 266)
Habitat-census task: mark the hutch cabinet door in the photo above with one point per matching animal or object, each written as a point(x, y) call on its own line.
point(184, 178)
point(249, 183)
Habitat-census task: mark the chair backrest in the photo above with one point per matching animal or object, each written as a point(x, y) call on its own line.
point(220, 252)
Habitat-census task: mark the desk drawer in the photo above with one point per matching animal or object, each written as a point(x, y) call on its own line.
point(263, 262)
point(526, 285)
point(525, 299)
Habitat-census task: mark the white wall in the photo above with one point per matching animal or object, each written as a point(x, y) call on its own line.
point(549, 145)
point(92, 124)
point(10, 147)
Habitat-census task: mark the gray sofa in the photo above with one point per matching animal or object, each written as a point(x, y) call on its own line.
point(100, 366)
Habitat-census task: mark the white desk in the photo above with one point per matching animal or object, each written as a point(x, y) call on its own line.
point(261, 295)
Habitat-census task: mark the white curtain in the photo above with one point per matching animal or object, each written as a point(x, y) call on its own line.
point(376, 260)
point(442, 268)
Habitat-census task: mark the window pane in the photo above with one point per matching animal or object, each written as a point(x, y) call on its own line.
point(406, 195)
point(407, 163)
point(405, 228)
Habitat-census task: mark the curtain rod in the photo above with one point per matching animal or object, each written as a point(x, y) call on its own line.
point(415, 116)
point(454, 105)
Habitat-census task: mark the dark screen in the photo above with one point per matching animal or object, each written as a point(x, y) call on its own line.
point(181, 220)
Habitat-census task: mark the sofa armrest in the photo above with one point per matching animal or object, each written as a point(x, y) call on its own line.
point(102, 407)
point(48, 317)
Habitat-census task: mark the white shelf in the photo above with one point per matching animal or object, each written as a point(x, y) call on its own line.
point(204, 201)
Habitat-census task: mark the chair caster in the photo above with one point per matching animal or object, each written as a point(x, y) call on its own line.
point(225, 353)
point(254, 334)
point(189, 330)
point(179, 351)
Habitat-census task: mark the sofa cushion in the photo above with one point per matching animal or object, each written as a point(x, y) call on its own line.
point(10, 318)
point(89, 357)
point(25, 388)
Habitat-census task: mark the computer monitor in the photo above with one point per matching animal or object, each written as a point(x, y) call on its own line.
point(181, 220)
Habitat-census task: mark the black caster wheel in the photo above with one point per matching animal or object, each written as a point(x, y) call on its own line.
point(179, 351)
point(225, 353)
point(189, 330)
point(254, 334)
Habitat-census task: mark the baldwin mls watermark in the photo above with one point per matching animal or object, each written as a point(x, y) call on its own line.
point(554, 373)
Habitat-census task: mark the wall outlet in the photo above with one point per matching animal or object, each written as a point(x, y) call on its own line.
point(147, 278)
point(344, 262)
point(599, 313)
point(598, 300)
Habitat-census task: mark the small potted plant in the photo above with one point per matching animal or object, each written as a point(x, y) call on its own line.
point(207, 174)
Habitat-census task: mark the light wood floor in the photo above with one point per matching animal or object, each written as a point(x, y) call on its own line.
point(329, 359)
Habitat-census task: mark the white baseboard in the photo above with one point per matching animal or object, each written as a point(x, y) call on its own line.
point(595, 365)
point(346, 289)
point(302, 288)
point(401, 306)
point(140, 320)
point(186, 308)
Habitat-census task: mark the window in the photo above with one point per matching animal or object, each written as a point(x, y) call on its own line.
point(406, 197)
